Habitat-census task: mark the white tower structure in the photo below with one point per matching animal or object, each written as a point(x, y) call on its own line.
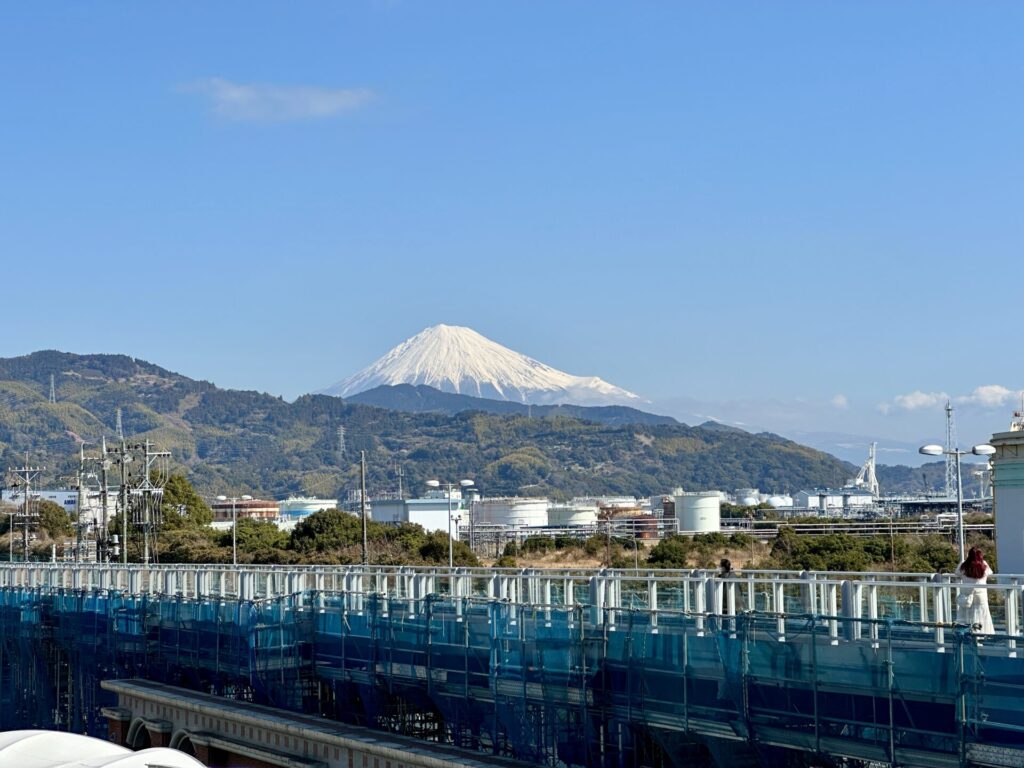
point(866, 478)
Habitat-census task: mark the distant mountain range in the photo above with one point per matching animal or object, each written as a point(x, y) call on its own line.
point(231, 441)
point(459, 360)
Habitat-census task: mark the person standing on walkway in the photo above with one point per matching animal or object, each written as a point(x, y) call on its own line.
point(972, 603)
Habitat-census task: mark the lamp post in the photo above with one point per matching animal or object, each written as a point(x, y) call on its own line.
point(984, 449)
point(449, 487)
point(234, 523)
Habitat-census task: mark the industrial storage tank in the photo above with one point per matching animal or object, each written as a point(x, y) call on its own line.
point(700, 512)
point(565, 515)
point(298, 507)
point(511, 511)
point(780, 501)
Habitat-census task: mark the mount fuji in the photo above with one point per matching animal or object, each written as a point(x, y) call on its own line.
point(458, 359)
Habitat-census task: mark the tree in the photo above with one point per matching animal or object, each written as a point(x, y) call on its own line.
point(671, 552)
point(434, 551)
point(328, 530)
point(54, 520)
point(256, 536)
point(182, 506)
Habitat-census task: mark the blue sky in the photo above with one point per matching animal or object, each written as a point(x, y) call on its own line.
point(790, 215)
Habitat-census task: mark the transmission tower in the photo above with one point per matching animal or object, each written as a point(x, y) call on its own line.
point(120, 426)
point(26, 475)
point(950, 452)
point(53, 389)
point(341, 444)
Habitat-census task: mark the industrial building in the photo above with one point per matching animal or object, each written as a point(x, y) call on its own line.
point(68, 499)
point(832, 500)
point(431, 511)
point(254, 509)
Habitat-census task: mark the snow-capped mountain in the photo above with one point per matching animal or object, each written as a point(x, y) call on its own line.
point(457, 359)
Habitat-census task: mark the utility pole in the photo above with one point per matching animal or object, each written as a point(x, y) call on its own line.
point(123, 495)
point(362, 504)
point(26, 474)
point(80, 504)
point(150, 496)
point(103, 543)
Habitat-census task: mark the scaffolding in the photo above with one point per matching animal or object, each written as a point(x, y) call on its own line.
point(542, 672)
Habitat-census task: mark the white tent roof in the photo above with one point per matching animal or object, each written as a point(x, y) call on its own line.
point(56, 749)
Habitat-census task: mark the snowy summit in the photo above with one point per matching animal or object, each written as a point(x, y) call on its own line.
point(457, 359)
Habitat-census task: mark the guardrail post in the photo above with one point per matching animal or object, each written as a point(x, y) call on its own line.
point(852, 599)
point(1013, 603)
point(596, 585)
point(700, 600)
point(873, 612)
point(779, 607)
point(832, 607)
point(809, 592)
point(546, 599)
point(922, 605)
point(612, 589)
point(652, 602)
point(941, 616)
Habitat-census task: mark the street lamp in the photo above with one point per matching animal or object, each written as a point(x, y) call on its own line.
point(234, 523)
point(449, 487)
point(984, 449)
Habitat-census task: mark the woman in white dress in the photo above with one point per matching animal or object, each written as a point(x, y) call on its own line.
point(972, 604)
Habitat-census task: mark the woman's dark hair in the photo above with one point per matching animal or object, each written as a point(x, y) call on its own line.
point(725, 565)
point(974, 566)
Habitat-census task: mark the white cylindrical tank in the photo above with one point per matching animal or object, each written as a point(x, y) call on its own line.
point(700, 512)
point(512, 511)
point(564, 515)
point(780, 501)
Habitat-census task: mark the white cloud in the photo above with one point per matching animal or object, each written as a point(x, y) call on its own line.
point(915, 400)
point(840, 401)
point(265, 102)
point(989, 396)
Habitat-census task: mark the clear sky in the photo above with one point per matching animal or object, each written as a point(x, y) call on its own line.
point(791, 215)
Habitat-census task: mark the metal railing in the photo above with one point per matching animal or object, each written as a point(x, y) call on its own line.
point(929, 600)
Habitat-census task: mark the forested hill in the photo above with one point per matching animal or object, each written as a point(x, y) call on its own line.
point(247, 442)
point(423, 399)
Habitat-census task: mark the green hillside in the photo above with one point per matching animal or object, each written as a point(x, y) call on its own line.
point(247, 442)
